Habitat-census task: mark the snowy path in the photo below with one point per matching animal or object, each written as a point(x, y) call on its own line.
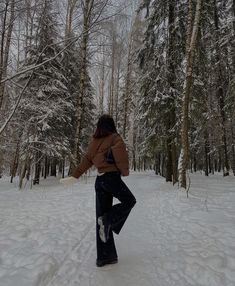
point(47, 235)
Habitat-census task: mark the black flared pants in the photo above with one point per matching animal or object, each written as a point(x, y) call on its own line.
point(109, 186)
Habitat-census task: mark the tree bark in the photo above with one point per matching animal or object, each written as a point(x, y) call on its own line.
point(117, 87)
point(206, 150)
point(102, 84)
point(37, 168)
point(233, 88)
point(192, 32)
point(22, 174)
point(112, 81)
point(5, 45)
point(88, 6)
point(45, 167)
point(15, 161)
point(171, 165)
point(127, 95)
point(233, 150)
point(53, 167)
point(69, 17)
point(220, 91)
point(2, 68)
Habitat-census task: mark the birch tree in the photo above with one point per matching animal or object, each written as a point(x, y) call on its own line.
point(89, 10)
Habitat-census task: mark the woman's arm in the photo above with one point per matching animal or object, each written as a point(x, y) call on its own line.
point(86, 162)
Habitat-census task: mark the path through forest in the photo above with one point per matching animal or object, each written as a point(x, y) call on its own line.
point(47, 235)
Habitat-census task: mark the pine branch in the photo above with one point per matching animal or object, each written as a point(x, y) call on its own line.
point(41, 64)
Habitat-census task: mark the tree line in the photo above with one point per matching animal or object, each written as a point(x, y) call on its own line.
point(163, 69)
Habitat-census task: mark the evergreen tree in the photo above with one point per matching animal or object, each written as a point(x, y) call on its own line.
point(45, 107)
point(161, 62)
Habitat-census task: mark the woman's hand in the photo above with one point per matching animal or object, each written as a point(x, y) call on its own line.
point(68, 181)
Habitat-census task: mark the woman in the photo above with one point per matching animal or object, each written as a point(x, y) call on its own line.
point(109, 218)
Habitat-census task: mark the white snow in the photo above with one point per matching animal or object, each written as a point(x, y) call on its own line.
point(47, 235)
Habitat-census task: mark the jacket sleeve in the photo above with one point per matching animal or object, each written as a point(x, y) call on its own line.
point(85, 164)
point(121, 156)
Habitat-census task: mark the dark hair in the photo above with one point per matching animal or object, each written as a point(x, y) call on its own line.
point(105, 126)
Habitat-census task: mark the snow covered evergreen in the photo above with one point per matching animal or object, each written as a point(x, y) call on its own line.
point(45, 109)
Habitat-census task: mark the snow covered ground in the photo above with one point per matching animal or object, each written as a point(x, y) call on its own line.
point(47, 235)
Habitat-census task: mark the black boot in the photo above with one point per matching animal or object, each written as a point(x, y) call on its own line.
point(100, 263)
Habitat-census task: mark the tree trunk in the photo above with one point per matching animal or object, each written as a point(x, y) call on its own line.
point(194, 162)
point(209, 163)
point(220, 91)
point(220, 161)
point(158, 163)
point(233, 150)
point(233, 88)
point(117, 87)
point(15, 161)
point(5, 45)
point(48, 165)
point(7, 26)
point(69, 18)
point(169, 170)
point(28, 171)
point(191, 42)
point(53, 167)
point(233, 159)
point(133, 160)
point(1, 163)
point(174, 162)
point(102, 84)
point(171, 164)
point(144, 163)
point(127, 94)
point(45, 167)
point(63, 168)
point(87, 9)
point(207, 151)
point(112, 81)
point(233, 44)
point(22, 174)
point(134, 163)
point(37, 168)
point(2, 47)
point(162, 166)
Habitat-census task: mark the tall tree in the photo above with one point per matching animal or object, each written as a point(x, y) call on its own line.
point(192, 32)
point(88, 8)
point(6, 32)
point(161, 64)
point(171, 165)
point(44, 106)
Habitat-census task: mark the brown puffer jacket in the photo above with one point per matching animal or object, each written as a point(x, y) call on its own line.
point(96, 156)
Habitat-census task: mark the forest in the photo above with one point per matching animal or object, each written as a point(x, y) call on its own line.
point(164, 69)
